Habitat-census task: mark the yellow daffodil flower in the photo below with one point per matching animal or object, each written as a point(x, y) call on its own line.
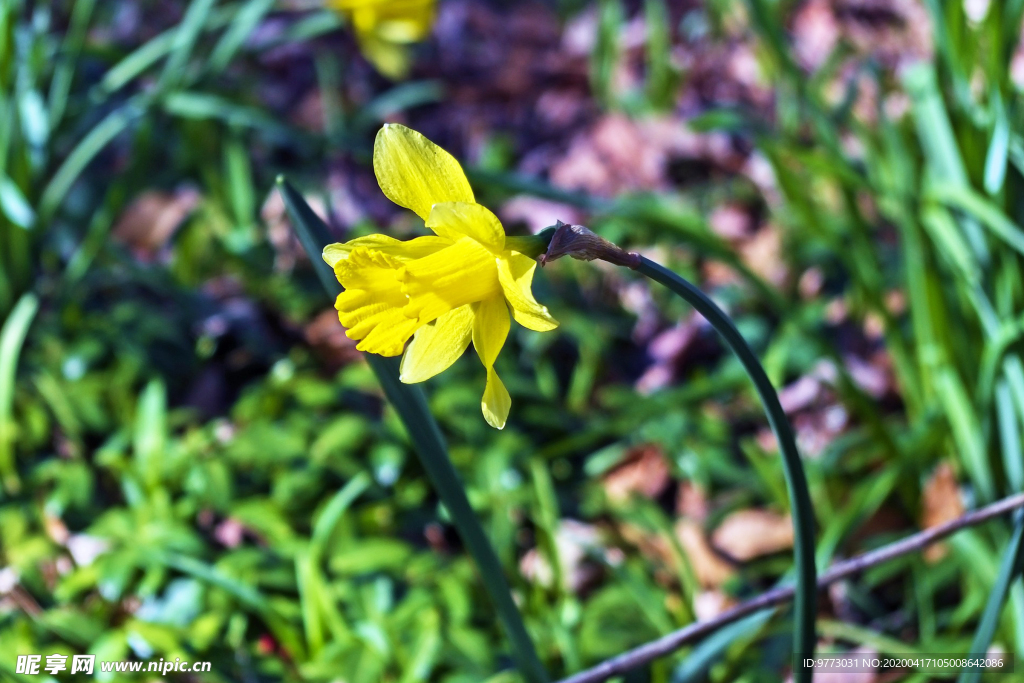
point(442, 290)
point(385, 28)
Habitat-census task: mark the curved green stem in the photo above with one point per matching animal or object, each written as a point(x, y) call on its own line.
point(796, 481)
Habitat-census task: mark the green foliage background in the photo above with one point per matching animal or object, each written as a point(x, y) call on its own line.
point(343, 566)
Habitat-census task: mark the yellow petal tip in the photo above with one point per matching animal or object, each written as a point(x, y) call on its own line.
point(496, 403)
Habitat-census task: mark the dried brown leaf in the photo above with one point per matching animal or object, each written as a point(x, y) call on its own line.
point(710, 569)
point(692, 501)
point(618, 154)
point(574, 540)
point(149, 222)
point(763, 254)
point(747, 534)
point(329, 341)
point(816, 33)
point(709, 604)
point(941, 502)
point(644, 471)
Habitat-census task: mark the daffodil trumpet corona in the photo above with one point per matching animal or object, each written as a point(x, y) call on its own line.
point(429, 297)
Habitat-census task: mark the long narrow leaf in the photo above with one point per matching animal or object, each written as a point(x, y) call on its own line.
point(965, 199)
point(939, 144)
point(184, 40)
point(998, 149)
point(148, 54)
point(243, 24)
point(12, 337)
point(63, 73)
point(964, 424)
point(79, 158)
point(695, 666)
point(332, 513)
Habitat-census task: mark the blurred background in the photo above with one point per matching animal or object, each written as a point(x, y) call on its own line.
point(195, 462)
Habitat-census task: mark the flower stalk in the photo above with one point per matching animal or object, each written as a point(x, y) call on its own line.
point(410, 403)
point(580, 243)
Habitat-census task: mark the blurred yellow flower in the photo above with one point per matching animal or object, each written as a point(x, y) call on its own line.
point(442, 290)
point(386, 28)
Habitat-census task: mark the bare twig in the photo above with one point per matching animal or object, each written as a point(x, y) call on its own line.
point(777, 596)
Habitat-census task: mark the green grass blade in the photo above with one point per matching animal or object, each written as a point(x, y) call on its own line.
point(607, 51)
point(12, 338)
point(158, 47)
point(79, 158)
point(14, 204)
point(964, 198)
point(425, 649)
point(332, 513)
point(966, 431)
point(861, 635)
point(312, 26)
point(938, 142)
point(397, 100)
point(661, 78)
point(546, 517)
point(948, 240)
point(148, 54)
point(694, 668)
point(184, 40)
point(149, 440)
point(136, 62)
point(243, 24)
point(410, 403)
point(1013, 465)
point(945, 43)
point(1009, 569)
point(244, 593)
point(201, 106)
point(309, 602)
point(63, 73)
point(1009, 437)
point(998, 149)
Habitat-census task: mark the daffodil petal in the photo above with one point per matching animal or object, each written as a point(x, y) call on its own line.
point(452, 277)
point(436, 346)
point(391, 59)
point(515, 273)
point(457, 219)
point(404, 251)
point(386, 333)
point(496, 402)
point(401, 21)
point(490, 328)
point(371, 305)
point(415, 173)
